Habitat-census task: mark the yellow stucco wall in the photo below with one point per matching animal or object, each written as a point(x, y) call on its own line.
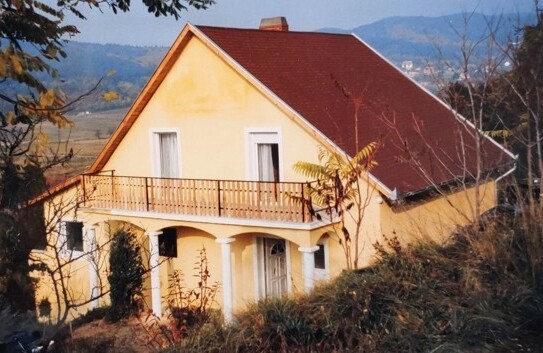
point(211, 106)
point(435, 219)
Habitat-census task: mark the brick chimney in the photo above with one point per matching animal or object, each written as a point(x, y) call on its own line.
point(274, 24)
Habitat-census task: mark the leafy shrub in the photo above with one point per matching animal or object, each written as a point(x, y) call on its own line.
point(125, 278)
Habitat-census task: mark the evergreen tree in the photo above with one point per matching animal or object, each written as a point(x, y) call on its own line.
point(125, 279)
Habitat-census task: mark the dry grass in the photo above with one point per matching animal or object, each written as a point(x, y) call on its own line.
point(481, 293)
point(86, 138)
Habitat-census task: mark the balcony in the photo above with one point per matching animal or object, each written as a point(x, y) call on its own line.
point(268, 201)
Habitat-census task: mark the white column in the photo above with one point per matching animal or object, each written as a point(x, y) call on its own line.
point(228, 299)
point(154, 260)
point(92, 257)
point(308, 266)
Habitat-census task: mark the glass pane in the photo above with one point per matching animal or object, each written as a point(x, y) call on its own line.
point(74, 236)
point(319, 257)
point(277, 248)
point(169, 165)
point(268, 162)
point(167, 243)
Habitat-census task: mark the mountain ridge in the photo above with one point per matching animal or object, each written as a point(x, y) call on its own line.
point(400, 38)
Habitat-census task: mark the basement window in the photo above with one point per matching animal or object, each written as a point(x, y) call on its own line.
point(167, 243)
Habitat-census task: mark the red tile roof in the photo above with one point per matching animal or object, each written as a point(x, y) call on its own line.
point(325, 77)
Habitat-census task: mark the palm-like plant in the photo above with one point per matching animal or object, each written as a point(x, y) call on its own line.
point(336, 190)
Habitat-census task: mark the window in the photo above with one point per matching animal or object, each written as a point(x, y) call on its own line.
point(169, 160)
point(320, 262)
point(263, 153)
point(268, 162)
point(167, 243)
point(74, 236)
point(166, 152)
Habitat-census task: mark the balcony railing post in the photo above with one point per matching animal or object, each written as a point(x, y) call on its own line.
point(146, 195)
point(219, 197)
point(303, 203)
point(112, 190)
point(84, 191)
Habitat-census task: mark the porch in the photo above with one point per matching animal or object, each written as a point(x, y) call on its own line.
point(268, 201)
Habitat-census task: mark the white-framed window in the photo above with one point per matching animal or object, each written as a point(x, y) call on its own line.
point(320, 258)
point(263, 154)
point(165, 152)
point(322, 264)
point(71, 238)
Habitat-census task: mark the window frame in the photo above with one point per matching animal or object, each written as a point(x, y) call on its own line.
point(261, 135)
point(63, 241)
point(155, 149)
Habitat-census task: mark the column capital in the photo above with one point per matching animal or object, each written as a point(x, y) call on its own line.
point(308, 248)
point(225, 240)
point(150, 234)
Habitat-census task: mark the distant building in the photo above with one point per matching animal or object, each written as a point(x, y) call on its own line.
point(429, 70)
point(407, 65)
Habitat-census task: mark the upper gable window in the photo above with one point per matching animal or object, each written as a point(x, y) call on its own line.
point(169, 160)
point(268, 162)
point(166, 153)
point(264, 154)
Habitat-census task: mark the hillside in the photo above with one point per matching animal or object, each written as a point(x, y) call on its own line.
point(399, 39)
point(419, 38)
point(123, 69)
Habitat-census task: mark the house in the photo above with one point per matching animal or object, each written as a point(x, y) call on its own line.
point(204, 158)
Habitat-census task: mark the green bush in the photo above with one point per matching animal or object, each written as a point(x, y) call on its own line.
point(125, 278)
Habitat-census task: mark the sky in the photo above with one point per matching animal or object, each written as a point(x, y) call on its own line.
point(141, 28)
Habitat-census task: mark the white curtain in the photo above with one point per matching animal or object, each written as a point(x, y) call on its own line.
point(169, 160)
point(265, 162)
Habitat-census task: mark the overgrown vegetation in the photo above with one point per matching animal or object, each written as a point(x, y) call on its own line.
point(188, 308)
point(480, 293)
point(125, 278)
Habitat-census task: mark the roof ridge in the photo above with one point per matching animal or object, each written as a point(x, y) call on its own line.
point(269, 31)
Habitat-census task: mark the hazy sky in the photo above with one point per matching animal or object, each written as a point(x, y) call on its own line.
point(141, 28)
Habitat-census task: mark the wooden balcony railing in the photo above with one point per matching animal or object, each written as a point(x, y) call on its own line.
point(198, 197)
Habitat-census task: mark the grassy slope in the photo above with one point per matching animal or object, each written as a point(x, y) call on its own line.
point(481, 293)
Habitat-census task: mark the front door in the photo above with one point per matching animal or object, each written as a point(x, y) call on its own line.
point(275, 267)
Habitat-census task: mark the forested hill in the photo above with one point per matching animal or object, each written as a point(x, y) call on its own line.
point(417, 37)
point(399, 39)
point(123, 69)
